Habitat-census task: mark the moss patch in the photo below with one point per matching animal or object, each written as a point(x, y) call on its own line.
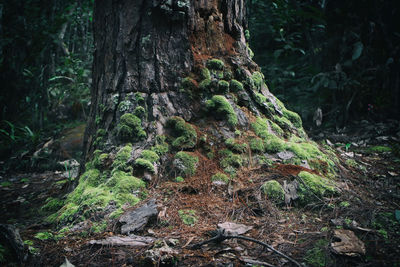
point(319, 255)
point(188, 162)
point(379, 149)
point(219, 176)
point(184, 133)
point(215, 64)
point(130, 128)
point(161, 147)
point(257, 145)
point(235, 146)
point(235, 86)
point(223, 87)
point(96, 189)
point(273, 190)
point(188, 217)
point(221, 106)
point(312, 187)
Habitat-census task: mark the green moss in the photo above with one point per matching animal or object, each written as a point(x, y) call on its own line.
point(221, 106)
point(124, 106)
point(219, 176)
point(179, 179)
point(313, 187)
point(189, 83)
point(205, 74)
point(258, 79)
point(139, 112)
point(215, 64)
point(139, 98)
point(122, 157)
point(318, 256)
point(282, 122)
point(236, 86)
point(52, 204)
point(273, 144)
point(223, 87)
point(379, 149)
point(188, 161)
point(232, 160)
point(161, 147)
point(116, 213)
point(273, 190)
point(235, 146)
point(130, 127)
point(44, 236)
point(257, 145)
point(275, 127)
point(144, 164)
point(260, 127)
point(293, 117)
point(188, 217)
point(99, 227)
point(92, 177)
point(205, 84)
point(101, 132)
point(260, 98)
point(150, 156)
point(186, 136)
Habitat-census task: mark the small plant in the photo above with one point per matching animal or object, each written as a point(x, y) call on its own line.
point(24, 180)
point(219, 176)
point(188, 217)
point(318, 256)
point(6, 184)
point(44, 236)
point(344, 204)
point(179, 179)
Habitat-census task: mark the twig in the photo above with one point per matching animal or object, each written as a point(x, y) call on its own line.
point(221, 237)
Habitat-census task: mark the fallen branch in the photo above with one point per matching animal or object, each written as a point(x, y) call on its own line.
point(220, 236)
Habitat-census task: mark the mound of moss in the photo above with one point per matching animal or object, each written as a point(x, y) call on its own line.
point(274, 191)
point(186, 163)
point(314, 187)
point(222, 107)
point(184, 133)
point(130, 128)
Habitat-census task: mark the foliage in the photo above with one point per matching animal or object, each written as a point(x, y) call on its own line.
point(318, 54)
point(188, 217)
point(318, 256)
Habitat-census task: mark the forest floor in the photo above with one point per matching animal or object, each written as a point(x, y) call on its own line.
point(368, 206)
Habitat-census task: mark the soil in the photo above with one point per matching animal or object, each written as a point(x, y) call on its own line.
point(367, 205)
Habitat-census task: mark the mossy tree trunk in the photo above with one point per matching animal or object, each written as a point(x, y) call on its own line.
point(174, 84)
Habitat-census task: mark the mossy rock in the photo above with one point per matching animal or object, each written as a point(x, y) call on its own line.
point(186, 163)
point(130, 128)
point(215, 64)
point(257, 145)
point(235, 86)
point(184, 133)
point(274, 191)
point(313, 187)
point(222, 107)
point(235, 146)
point(223, 87)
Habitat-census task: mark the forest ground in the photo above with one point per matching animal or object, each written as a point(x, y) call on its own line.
point(369, 205)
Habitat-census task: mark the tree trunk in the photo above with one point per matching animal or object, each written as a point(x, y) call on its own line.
point(174, 87)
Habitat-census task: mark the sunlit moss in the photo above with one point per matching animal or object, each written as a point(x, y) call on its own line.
point(223, 87)
point(257, 145)
point(273, 190)
point(312, 187)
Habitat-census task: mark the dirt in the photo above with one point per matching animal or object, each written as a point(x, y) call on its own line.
point(370, 196)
